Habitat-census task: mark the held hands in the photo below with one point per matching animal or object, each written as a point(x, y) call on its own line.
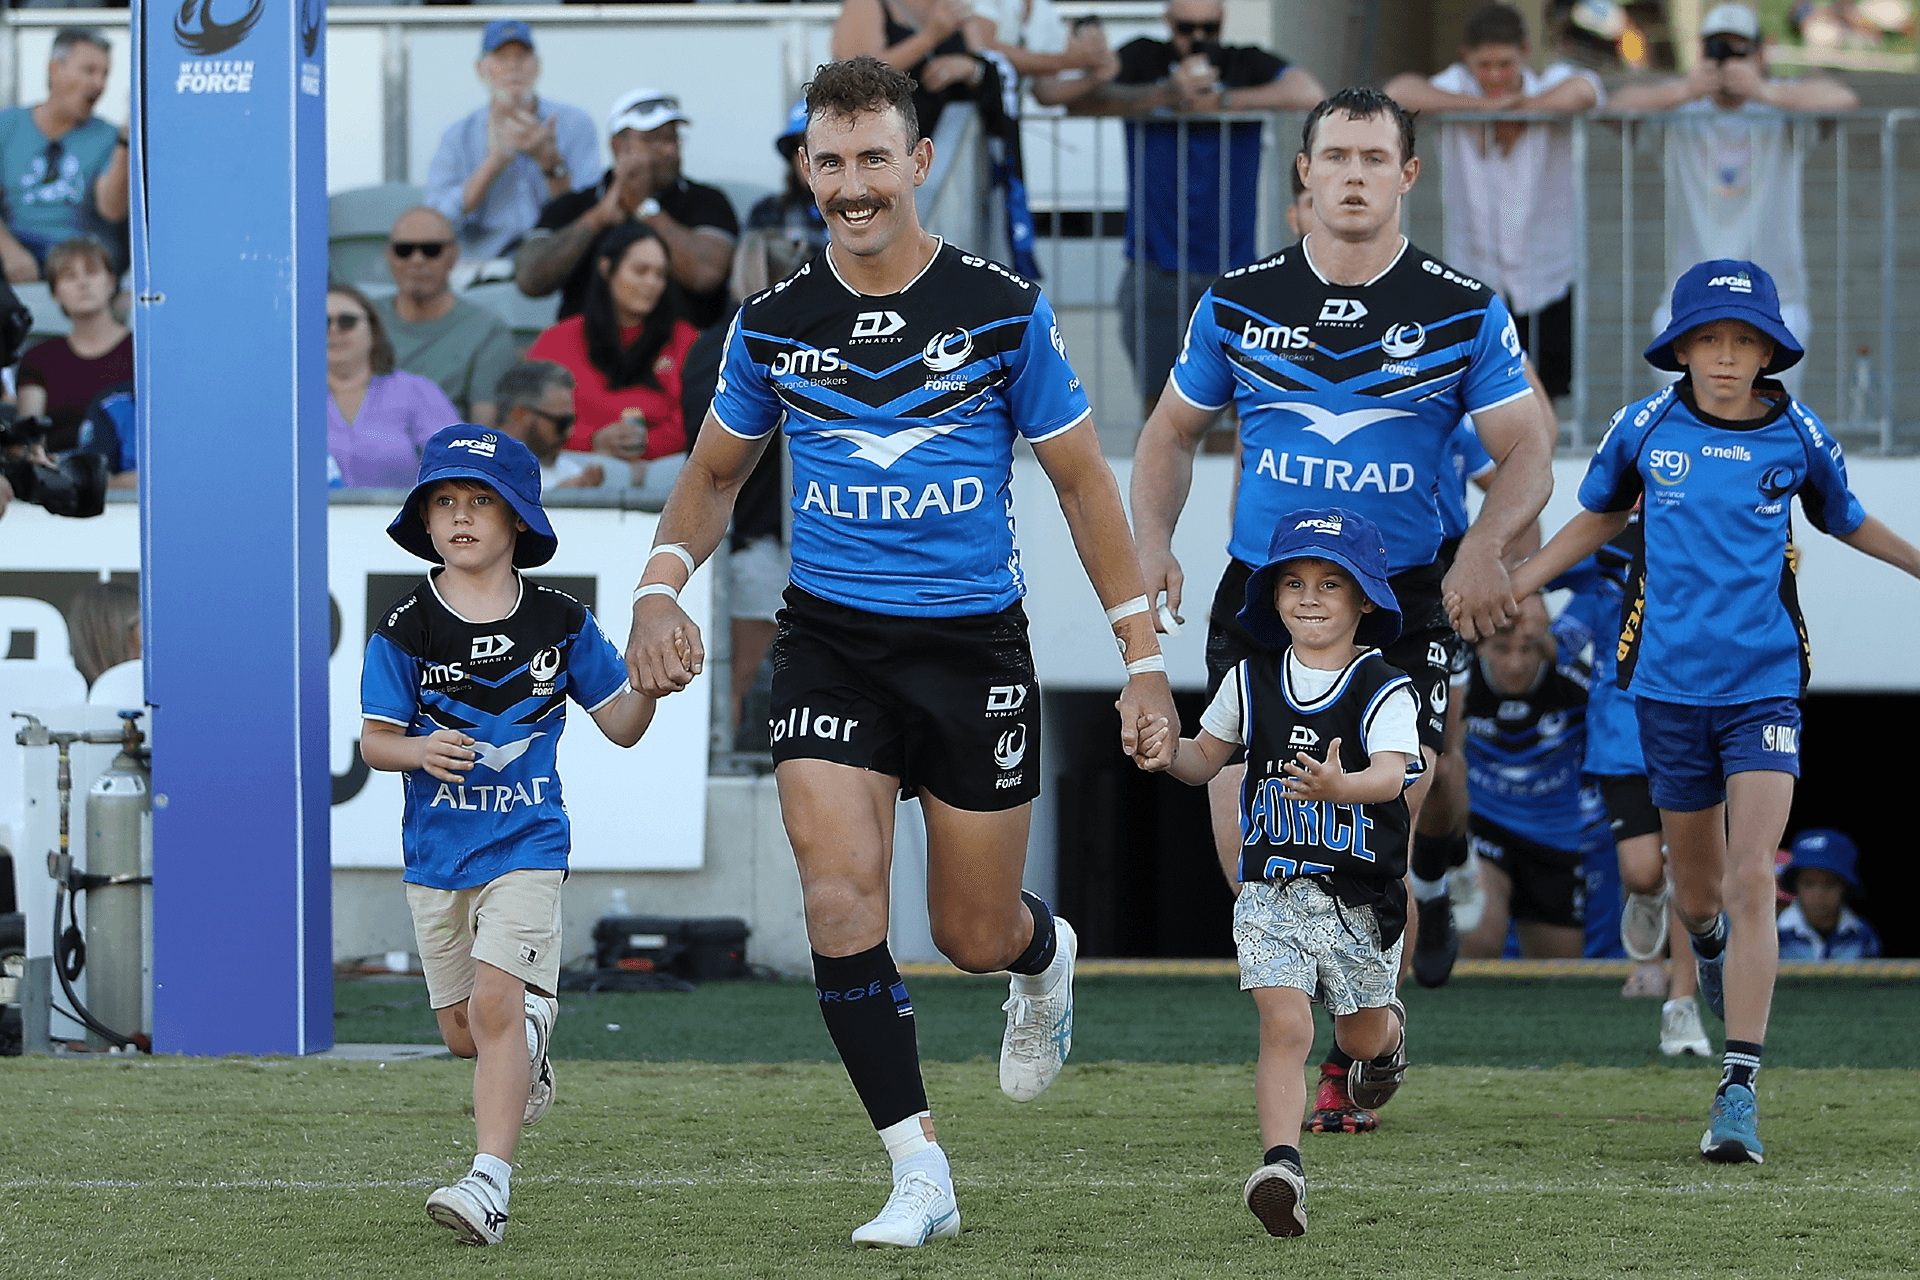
point(664, 650)
point(1477, 593)
point(446, 754)
point(1310, 779)
point(1149, 725)
point(1156, 745)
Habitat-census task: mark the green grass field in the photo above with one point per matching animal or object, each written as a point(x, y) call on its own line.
point(1539, 1135)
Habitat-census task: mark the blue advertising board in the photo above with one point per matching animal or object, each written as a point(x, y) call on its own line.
point(229, 241)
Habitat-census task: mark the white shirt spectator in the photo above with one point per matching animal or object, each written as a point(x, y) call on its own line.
point(1733, 191)
point(1034, 25)
point(1510, 215)
point(1395, 724)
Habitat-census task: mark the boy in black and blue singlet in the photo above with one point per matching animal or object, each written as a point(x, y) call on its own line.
point(464, 691)
point(1712, 645)
point(1332, 740)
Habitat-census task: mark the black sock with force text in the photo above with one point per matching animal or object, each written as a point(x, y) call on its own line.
point(870, 1017)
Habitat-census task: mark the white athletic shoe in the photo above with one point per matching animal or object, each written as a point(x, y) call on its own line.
point(1039, 1024)
point(1277, 1194)
point(919, 1210)
point(471, 1209)
point(540, 1015)
point(1643, 925)
point(1468, 895)
point(1680, 1029)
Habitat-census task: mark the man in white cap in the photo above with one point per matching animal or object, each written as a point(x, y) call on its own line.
point(497, 167)
point(1733, 166)
point(694, 221)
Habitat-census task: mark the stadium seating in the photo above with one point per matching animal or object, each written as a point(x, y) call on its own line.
point(357, 226)
point(525, 316)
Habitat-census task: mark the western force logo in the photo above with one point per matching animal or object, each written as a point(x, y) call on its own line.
point(1777, 483)
point(1739, 282)
point(310, 26)
point(1343, 311)
point(1011, 748)
point(199, 33)
point(947, 350)
point(214, 77)
point(1510, 339)
point(878, 324)
point(1403, 341)
point(1336, 427)
point(484, 445)
point(544, 665)
point(884, 451)
point(1669, 466)
point(1059, 343)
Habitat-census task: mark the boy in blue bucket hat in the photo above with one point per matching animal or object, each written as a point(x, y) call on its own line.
point(1712, 644)
point(464, 691)
point(1820, 923)
point(1332, 740)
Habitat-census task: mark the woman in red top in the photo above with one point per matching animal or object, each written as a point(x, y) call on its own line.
point(627, 351)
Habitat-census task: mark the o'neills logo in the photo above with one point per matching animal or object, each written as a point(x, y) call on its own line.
point(199, 33)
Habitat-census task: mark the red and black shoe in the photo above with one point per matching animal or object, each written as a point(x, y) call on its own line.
point(1334, 1111)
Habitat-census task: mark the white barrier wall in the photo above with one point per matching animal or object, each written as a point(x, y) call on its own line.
point(642, 809)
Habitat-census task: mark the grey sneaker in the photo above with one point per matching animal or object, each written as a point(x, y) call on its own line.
point(1371, 1084)
point(471, 1208)
point(1680, 1029)
point(1643, 924)
point(1277, 1194)
point(540, 1015)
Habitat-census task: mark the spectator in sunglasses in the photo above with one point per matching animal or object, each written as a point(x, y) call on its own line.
point(1190, 72)
point(379, 418)
point(535, 402)
point(60, 377)
point(435, 333)
point(499, 165)
point(63, 169)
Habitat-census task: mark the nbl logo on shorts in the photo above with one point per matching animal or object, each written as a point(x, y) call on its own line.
point(1784, 738)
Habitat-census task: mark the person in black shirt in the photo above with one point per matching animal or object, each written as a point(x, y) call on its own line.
point(693, 220)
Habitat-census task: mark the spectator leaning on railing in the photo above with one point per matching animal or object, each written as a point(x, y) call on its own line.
point(496, 168)
point(1507, 187)
point(436, 333)
point(1189, 72)
point(1733, 167)
point(64, 169)
point(695, 222)
point(931, 40)
point(60, 377)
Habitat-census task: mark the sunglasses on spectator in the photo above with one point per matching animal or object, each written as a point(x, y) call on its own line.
point(425, 248)
point(1196, 29)
point(562, 422)
point(345, 321)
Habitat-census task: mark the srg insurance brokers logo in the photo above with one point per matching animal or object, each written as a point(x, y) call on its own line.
point(201, 33)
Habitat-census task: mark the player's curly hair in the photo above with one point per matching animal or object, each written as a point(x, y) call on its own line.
point(1360, 104)
point(863, 84)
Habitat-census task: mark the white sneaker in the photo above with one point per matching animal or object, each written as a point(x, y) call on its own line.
point(540, 1015)
point(471, 1209)
point(1468, 895)
point(1643, 925)
point(919, 1210)
point(1680, 1029)
point(1277, 1194)
point(1039, 1025)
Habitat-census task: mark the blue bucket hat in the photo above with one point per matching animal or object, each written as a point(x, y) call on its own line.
point(794, 131)
point(1825, 850)
point(1725, 289)
point(466, 452)
point(505, 31)
point(1351, 541)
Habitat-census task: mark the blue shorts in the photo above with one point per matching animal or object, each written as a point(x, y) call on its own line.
point(1692, 751)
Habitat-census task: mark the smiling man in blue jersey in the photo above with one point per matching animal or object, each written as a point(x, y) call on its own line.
point(903, 370)
point(1350, 358)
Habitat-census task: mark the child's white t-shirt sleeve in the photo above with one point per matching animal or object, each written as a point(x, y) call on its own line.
point(1395, 726)
point(1223, 717)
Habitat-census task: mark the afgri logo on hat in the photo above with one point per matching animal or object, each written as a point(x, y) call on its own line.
point(484, 446)
point(1739, 282)
point(1331, 527)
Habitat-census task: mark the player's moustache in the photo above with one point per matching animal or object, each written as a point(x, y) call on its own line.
point(861, 205)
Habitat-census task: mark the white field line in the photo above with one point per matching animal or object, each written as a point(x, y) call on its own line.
point(801, 1181)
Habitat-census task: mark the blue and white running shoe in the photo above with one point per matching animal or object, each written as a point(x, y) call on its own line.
point(1733, 1135)
point(920, 1209)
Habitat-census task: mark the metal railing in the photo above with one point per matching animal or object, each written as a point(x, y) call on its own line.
point(1859, 187)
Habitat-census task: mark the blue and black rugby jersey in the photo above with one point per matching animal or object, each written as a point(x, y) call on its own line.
point(901, 411)
point(1715, 620)
point(505, 684)
point(1347, 393)
point(1525, 754)
point(1613, 727)
point(1465, 459)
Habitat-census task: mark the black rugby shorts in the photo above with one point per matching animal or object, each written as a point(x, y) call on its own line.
point(1548, 886)
point(948, 704)
point(1630, 808)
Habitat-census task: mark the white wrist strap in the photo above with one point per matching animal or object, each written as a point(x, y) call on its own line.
point(656, 589)
point(678, 552)
point(1152, 662)
point(1126, 609)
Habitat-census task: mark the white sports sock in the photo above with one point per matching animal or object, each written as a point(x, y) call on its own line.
point(1428, 890)
point(932, 1162)
point(497, 1169)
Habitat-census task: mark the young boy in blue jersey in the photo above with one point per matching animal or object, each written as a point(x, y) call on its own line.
point(464, 691)
point(1332, 739)
point(1712, 644)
